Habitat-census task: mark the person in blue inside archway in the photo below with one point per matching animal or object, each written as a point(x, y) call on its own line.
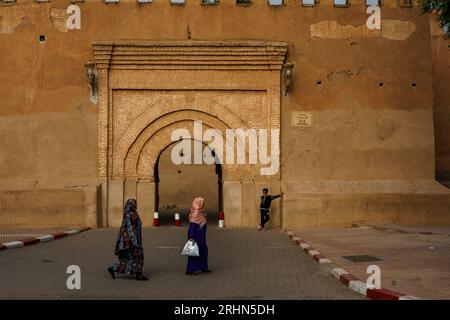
point(266, 201)
point(129, 247)
point(197, 232)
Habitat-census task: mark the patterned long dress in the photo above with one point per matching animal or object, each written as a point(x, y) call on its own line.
point(129, 246)
point(200, 263)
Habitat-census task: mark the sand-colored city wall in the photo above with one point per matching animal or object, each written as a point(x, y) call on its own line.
point(370, 93)
point(70, 207)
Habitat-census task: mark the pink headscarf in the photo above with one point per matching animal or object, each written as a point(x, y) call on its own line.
point(197, 214)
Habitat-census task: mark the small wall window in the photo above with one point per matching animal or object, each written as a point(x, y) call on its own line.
point(276, 2)
point(177, 1)
point(244, 2)
point(210, 1)
point(373, 2)
point(341, 3)
point(446, 29)
point(309, 3)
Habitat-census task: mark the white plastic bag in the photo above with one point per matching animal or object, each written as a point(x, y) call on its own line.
point(190, 249)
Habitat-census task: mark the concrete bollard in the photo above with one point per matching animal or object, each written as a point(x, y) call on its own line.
point(177, 220)
point(221, 219)
point(156, 219)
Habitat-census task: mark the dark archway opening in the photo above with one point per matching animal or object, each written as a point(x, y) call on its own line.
point(177, 185)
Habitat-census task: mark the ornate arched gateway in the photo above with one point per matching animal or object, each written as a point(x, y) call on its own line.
point(148, 89)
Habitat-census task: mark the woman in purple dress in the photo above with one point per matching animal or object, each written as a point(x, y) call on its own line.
point(197, 232)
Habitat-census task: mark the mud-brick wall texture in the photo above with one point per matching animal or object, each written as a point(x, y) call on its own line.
point(368, 157)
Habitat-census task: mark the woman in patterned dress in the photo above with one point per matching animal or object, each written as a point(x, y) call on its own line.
point(129, 244)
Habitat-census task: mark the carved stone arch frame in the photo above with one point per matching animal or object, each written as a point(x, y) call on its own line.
point(229, 84)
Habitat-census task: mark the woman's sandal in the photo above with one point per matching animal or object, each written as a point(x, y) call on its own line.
point(111, 272)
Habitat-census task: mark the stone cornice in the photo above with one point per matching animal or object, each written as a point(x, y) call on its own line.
point(191, 55)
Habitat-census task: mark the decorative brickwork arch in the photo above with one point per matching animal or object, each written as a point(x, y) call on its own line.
point(144, 93)
point(161, 139)
point(147, 124)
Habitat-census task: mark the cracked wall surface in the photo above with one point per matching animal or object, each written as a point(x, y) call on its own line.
point(390, 29)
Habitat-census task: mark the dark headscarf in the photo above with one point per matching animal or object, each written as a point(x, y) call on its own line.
point(130, 233)
point(130, 206)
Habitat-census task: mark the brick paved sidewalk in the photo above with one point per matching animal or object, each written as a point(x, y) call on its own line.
point(246, 265)
point(413, 260)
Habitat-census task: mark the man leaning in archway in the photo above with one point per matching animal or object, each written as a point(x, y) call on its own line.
point(266, 201)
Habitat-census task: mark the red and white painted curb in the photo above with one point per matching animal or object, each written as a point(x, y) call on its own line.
point(349, 280)
point(43, 238)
